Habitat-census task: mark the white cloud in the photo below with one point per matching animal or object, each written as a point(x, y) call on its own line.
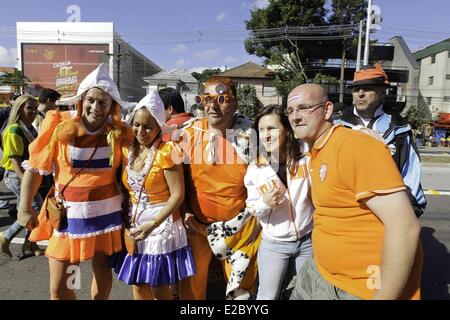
point(181, 62)
point(221, 16)
point(259, 4)
point(8, 57)
point(231, 60)
point(243, 5)
point(207, 54)
point(178, 48)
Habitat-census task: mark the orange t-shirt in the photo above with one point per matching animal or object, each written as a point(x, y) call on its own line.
point(215, 190)
point(346, 167)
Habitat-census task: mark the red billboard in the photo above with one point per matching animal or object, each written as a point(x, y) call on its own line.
point(61, 66)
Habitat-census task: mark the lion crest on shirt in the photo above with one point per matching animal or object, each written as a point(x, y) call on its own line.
point(323, 172)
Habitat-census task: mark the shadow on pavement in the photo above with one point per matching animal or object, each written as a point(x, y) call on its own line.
point(436, 267)
point(6, 221)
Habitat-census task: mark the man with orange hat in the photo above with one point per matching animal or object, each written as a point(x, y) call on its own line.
point(369, 90)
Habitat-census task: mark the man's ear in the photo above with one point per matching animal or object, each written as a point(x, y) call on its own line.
point(170, 110)
point(329, 106)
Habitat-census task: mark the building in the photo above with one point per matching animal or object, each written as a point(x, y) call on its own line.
point(257, 76)
point(180, 79)
point(59, 55)
point(403, 59)
point(434, 83)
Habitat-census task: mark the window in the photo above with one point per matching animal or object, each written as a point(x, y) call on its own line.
point(447, 77)
point(269, 90)
point(428, 100)
point(433, 58)
point(447, 99)
point(430, 80)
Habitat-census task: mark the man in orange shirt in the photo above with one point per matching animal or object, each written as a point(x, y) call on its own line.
point(217, 151)
point(366, 235)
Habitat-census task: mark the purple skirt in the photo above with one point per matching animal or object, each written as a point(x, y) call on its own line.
point(155, 270)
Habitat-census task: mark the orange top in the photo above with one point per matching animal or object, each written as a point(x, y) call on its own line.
point(216, 190)
point(346, 167)
point(156, 187)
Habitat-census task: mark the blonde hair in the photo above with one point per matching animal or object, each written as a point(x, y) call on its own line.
point(17, 107)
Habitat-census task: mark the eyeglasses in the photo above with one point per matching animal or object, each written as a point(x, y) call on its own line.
point(302, 109)
point(220, 99)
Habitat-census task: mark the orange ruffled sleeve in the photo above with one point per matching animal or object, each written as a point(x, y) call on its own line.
point(42, 149)
point(169, 155)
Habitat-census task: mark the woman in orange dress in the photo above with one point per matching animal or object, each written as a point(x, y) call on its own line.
point(86, 145)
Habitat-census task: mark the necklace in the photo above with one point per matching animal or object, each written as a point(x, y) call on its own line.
point(148, 158)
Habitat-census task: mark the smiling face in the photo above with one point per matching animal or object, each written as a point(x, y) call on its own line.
point(97, 106)
point(145, 127)
point(272, 133)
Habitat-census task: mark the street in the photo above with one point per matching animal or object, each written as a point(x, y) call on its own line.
point(29, 279)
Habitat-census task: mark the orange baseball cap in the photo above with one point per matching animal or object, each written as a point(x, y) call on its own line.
point(370, 75)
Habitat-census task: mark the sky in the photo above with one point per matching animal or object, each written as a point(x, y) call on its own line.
point(198, 34)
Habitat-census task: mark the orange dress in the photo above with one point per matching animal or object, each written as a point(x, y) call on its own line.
point(93, 199)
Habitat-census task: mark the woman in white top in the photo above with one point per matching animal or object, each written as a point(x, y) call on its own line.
point(278, 194)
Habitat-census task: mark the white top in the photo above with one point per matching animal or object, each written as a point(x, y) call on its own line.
point(294, 212)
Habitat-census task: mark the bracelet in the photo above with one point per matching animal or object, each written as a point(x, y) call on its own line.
point(155, 223)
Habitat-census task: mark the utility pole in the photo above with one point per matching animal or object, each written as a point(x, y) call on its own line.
point(118, 65)
point(342, 81)
point(358, 54)
point(366, 50)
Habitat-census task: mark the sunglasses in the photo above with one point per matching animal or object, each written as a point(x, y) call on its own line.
point(220, 99)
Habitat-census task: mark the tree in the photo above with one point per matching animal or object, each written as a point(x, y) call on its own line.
point(345, 12)
point(14, 79)
point(282, 33)
point(248, 102)
point(284, 51)
point(207, 73)
point(418, 116)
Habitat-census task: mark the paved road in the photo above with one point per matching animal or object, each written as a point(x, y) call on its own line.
point(28, 278)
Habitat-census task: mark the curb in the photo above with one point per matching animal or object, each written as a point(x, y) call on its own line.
point(437, 192)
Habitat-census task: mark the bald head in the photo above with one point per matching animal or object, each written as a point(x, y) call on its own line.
point(308, 90)
point(309, 111)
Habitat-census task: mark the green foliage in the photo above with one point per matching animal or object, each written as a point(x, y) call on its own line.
point(418, 116)
point(14, 79)
point(206, 74)
point(293, 55)
point(248, 102)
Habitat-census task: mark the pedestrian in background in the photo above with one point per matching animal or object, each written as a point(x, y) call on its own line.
point(18, 135)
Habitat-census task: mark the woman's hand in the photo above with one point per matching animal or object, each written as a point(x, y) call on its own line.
point(273, 197)
point(28, 218)
point(192, 226)
point(143, 231)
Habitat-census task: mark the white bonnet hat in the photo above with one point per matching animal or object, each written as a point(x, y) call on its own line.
point(99, 78)
point(153, 103)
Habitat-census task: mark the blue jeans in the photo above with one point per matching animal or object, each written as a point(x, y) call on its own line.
point(12, 181)
point(274, 259)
